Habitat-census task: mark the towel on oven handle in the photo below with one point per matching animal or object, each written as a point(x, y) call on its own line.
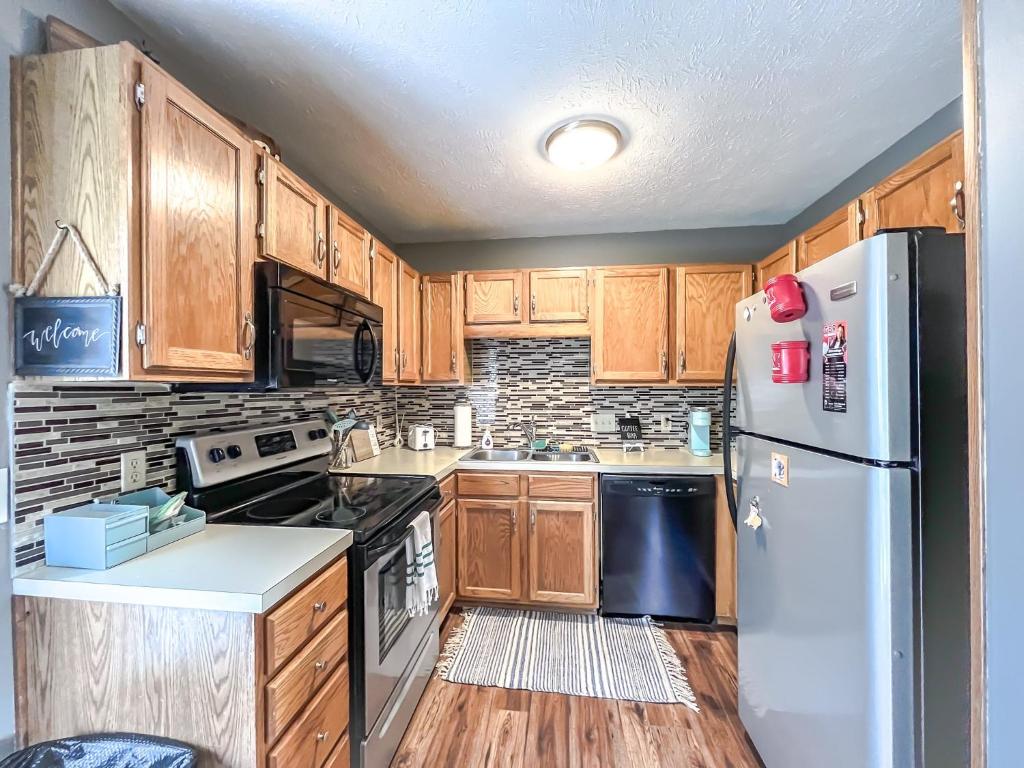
point(420, 575)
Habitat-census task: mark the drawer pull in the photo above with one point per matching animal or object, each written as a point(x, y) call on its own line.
point(319, 666)
point(320, 606)
point(321, 736)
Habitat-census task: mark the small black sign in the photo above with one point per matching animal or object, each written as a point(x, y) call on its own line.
point(629, 429)
point(67, 336)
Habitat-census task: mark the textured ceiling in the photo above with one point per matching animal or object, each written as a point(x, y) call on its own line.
point(426, 116)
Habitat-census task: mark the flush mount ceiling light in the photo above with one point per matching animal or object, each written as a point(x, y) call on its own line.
point(583, 144)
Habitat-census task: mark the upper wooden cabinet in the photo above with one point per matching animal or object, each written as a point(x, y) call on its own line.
point(631, 323)
point(781, 262)
point(384, 266)
point(705, 306)
point(442, 347)
point(293, 219)
point(559, 295)
point(197, 244)
point(490, 545)
point(160, 188)
point(349, 263)
point(562, 553)
point(408, 324)
point(923, 193)
point(493, 297)
point(832, 234)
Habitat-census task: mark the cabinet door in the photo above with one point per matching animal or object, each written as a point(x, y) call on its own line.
point(706, 297)
point(385, 295)
point(562, 553)
point(838, 231)
point(197, 235)
point(923, 193)
point(782, 262)
point(630, 339)
point(350, 253)
point(446, 557)
point(442, 333)
point(558, 296)
point(490, 546)
point(408, 323)
point(493, 297)
point(293, 229)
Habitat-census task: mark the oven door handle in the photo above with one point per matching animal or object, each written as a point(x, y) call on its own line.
point(373, 555)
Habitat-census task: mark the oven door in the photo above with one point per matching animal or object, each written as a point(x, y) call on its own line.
point(316, 344)
point(391, 635)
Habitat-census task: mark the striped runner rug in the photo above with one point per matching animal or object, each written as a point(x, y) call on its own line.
point(574, 654)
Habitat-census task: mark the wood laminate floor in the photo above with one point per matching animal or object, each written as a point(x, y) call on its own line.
point(465, 726)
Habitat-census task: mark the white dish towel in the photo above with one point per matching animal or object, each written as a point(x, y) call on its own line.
point(420, 574)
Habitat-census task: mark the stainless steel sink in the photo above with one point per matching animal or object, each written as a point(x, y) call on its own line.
point(499, 454)
point(544, 456)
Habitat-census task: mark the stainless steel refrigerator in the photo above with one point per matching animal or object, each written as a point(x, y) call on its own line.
point(851, 511)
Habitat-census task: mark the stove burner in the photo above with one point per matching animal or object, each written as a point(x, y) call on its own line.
point(278, 509)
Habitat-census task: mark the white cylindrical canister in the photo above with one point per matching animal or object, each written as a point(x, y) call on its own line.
point(463, 425)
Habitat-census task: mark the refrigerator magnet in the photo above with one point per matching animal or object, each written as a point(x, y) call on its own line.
point(833, 366)
point(780, 469)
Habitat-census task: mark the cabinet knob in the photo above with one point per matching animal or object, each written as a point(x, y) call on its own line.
point(320, 606)
point(321, 736)
point(320, 665)
point(958, 203)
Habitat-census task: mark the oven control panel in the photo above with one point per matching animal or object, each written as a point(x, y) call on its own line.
point(220, 456)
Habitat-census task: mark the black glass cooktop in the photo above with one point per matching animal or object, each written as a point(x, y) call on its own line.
point(305, 495)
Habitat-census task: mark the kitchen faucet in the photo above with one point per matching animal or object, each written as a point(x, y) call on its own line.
point(530, 430)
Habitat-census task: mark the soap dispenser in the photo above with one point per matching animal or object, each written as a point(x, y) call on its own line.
point(487, 441)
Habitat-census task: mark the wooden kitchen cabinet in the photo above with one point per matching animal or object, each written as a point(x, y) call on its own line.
point(349, 263)
point(160, 187)
point(293, 219)
point(562, 562)
point(384, 266)
point(705, 306)
point(725, 556)
point(631, 323)
point(493, 297)
point(923, 193)
point(559, 295)
point(490, 547)
point(781, 262)
point(408, 324)
point(837, 231)
point(446, 558)
point(442, 348)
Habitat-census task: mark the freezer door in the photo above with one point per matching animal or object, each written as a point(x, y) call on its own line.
point(825, 610)
point(866, 287)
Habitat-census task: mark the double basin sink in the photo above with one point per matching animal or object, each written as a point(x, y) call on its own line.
point(525, 454)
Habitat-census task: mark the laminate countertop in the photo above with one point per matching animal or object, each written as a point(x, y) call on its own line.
point(236, 568)
point(441, 462)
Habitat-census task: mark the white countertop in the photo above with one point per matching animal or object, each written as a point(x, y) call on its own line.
point(238, 568)
point(441, 462)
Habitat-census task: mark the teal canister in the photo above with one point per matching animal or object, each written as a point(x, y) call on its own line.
point(700, 432)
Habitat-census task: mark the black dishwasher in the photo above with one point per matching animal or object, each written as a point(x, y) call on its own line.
point(658, 546)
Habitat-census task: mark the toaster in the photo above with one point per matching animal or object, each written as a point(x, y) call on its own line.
point(421, 437)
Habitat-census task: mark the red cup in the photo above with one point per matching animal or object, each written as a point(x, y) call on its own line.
point(791, 362)
point(785, 298)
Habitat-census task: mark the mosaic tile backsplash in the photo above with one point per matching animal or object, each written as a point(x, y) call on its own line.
point(68, 437)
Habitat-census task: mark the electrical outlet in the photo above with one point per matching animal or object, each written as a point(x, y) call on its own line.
point(133, 471)
point(603, 421)
point(666, 424)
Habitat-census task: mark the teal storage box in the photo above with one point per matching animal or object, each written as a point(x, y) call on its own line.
point(189, 520)
point(96, 536)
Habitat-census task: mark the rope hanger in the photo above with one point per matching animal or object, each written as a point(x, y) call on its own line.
point(63, 230)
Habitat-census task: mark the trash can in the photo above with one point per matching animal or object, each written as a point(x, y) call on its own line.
point(105, 750)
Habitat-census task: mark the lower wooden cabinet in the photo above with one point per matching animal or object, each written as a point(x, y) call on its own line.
point(445, 557)
point(527, 549)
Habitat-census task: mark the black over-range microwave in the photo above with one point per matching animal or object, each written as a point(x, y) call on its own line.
point(309, 334)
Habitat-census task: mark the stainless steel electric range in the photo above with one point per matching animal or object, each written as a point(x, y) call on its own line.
point(278, 476)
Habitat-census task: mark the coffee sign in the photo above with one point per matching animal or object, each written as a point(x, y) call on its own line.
point(67, 336)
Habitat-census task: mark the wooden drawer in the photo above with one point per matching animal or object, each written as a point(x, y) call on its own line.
point(558, 485)
point(341, 755)
point(478, 484)
point(295, 685)
point(447, 488)
point(309, 742)
point(301, 616)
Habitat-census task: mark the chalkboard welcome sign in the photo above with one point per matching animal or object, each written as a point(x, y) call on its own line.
point(67, 336)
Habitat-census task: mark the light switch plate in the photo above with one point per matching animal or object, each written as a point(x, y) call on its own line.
point(603, 421)
point(133, 471)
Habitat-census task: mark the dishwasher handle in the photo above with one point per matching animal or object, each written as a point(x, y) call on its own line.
point(658, 486)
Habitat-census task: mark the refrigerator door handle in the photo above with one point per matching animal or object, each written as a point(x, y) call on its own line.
point(730, 493)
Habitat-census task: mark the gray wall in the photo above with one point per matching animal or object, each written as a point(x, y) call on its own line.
point(733, 244)
point(1001, 112)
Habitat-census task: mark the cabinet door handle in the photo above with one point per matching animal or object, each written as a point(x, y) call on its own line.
point(958, 203)
point(337, 256)
point(682, 360)
point(664, 363)
point(533, 304)
point(320, 606)
point(321, 736)
point(513, 518)
point(515, 305)
point(320, 665)
point(248, 332)
point(321, 248)
point(453, 362)
point(533, 517)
